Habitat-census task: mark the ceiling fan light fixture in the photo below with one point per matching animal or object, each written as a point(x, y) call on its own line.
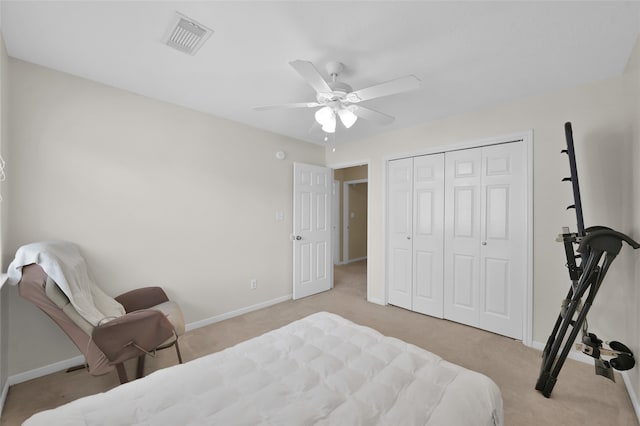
point(330, 125)
point(323, 115)
point(347, 117)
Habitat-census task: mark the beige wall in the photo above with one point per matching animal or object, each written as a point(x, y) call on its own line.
point(602, 114)
point(153, 194)
point(343, 175)
point(4, 122)
point(352, 173)
point(633, 296)
point(357, 220)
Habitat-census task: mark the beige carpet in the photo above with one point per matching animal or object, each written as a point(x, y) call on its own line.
point(579, 398)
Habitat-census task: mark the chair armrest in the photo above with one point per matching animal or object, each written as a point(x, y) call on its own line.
point(142, 298)
point(132, 335)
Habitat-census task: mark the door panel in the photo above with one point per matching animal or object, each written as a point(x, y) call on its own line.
point(462, 235)
point(402, 211)
point(465, 213)
point(497, 212)
point(424, 212)
point(424, 273)
point(305, 263)
point(312, 271)
point(462, 291)
point(496, 279)
point(321, 223)
point(503, 247)
point(321, 260)
point(400, 231)
point(428, 238)
point(401, 283)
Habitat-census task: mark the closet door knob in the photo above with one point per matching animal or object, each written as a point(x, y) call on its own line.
point(484, 243)
point(408, 237)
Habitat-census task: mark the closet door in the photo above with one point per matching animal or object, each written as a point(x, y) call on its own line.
point(462, 236)
point(503, 238)
point(428, 234)
point(400, 232)
point(485, 237)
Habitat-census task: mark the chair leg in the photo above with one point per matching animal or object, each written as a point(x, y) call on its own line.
point(178, 351)
point(140, 369)
point(122, 374)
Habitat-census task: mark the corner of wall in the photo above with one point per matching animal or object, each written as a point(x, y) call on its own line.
point(3, 302)
point(632, 78)
point(633, 64)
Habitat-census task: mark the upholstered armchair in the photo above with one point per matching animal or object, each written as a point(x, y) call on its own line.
point(148, 320)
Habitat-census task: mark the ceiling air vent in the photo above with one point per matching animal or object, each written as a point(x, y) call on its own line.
point(186, 35)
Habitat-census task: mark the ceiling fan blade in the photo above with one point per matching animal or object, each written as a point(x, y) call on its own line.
point(287, 106)
point(399, 85)
point(311, 75)
point(370, 114)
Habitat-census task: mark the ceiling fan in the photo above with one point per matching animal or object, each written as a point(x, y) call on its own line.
point(338, 99)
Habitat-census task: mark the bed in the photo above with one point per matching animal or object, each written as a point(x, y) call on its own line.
point(320, 370)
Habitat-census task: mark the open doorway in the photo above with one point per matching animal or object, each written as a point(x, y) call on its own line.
point(354, 220)
point(350, 226)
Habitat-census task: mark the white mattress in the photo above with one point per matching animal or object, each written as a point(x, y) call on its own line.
point(321, 370)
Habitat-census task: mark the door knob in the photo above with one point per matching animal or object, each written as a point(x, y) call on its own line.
point(408, 237)
point(298, 237)
point(484, 243)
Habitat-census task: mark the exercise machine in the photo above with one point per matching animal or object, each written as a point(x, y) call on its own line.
point(597, 247)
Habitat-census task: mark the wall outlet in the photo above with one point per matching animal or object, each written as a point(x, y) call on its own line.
point(253, 284)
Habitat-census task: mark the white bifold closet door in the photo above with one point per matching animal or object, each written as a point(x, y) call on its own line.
point(416, 230)
point(456, 245)
point(485, 241)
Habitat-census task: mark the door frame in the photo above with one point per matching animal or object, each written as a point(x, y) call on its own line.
point(333, 167)
point(345, 218)
point(335, 217)
point(527, 138)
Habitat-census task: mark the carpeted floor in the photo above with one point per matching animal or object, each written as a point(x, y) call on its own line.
point(579, 397)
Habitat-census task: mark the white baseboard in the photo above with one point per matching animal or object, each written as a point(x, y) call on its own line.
point(43, 371)
point(3, 396)
point(632, 393)
point(237, 312)
point(38, 372)
point(376, 301)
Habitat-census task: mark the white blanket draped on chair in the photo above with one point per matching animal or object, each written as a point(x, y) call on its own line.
point(64, 264)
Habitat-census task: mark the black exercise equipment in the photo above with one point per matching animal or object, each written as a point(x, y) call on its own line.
point(597, 247)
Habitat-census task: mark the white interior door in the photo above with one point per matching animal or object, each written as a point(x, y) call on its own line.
point(462, 236)
point(312, 260)
point(503, 239)
point(428, 234)
point(400, 232)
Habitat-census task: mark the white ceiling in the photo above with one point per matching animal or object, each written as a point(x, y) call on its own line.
point(469, 55)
